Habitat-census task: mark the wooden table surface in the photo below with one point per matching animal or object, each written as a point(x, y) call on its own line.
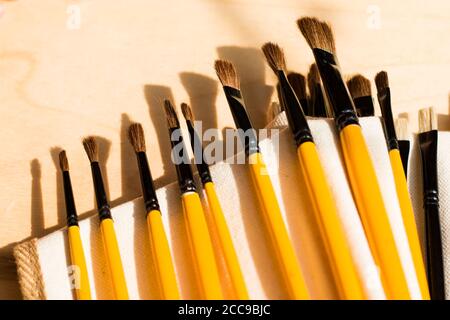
point(74, 68)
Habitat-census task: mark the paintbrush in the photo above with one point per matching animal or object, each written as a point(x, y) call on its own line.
point(197, 229)
point(333, 236)
point(281, 243)
point(317, 107)
point(384, 99)
point(428, 140)
point(165, 271)
point(404, 145)
point(82, 289)
point(358, 162)
point(361, 92)
point(110, 245)
point(298, 84)
point(224, 236)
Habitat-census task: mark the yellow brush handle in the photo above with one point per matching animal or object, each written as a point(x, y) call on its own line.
point(409, 221)
point(285, 254)
point(113, 260)
point(344, 269)
point(226, 244)
point(374, 217)
point(83, 291)
point(201, 246)
point(162, 257)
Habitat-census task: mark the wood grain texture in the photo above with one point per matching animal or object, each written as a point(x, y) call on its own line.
point(62, 78)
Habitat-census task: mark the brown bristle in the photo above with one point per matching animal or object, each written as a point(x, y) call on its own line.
point(136, 136)
point(171, 115)
point(359, 86)
point(298, 83)
point(427, 120)
point(313, 78)
point(381, 80)
point(227, 74)
point(318, 34)
point(187, 112)
point(91, 148)
point(274, 56)
point(63, 162)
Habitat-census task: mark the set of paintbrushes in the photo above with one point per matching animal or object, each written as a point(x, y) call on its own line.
point(329, 96)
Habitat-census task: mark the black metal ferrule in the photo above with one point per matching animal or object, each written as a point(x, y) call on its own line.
point(104, 210)
point(428, 150)
point(242, 121)
point(384, 99)
point(200, 162)
point(318, 104)
point(364, 106)
point(72, 217)
point(404, 146)
point(148, 188)
point(294, 111)
point(181, 161)
point(336, 89)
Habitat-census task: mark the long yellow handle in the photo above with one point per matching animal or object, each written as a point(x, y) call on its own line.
point(113, 260)
point(344, 269)
point(226, 244)
point(369, 201)
point(284, 251)
point(409, 221)
point(83, 289)
point(162, 257)
point(201, 246)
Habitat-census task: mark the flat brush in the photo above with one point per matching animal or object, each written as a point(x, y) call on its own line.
point(197, 228)
point(358, 163)
point(281, 243)
point(298, 84)
point(404, 145)
point(428, 140)
point(317, 107)
point(224, 237)
point(165, 271)
point(82, 289)
point(110, 245)
point(333, 236)
point(361, 92)
point(409, 221)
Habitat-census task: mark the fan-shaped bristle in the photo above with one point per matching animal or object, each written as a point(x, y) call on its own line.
point(381, 80)
point(227, 73)
point(90, 145)
point(274, 56)
point(136, 136)
point(318, 34)
point(187, 112)
point(63, 162)
point(359, 86)
point(171, 115)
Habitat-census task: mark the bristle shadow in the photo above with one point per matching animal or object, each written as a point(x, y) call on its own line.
point(155, 95)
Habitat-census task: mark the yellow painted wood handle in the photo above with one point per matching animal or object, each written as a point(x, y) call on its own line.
point(201, 246)
point(162, 257)
point(226, 244)
point(369, 201)
point(113, 260)
point(83, 289)
point(409, 221)
point(282, 245)
point(344, 269)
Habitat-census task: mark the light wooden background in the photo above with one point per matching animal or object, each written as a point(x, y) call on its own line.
point(73, 68)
